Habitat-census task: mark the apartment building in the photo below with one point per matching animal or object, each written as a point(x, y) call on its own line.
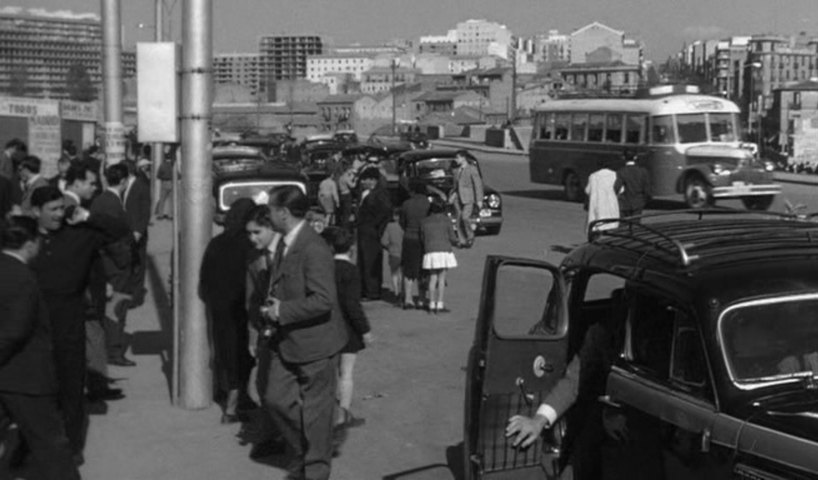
point(240, 68)
point(38, 48)
point(320, 66)
point(284, 57)
point(476, 37)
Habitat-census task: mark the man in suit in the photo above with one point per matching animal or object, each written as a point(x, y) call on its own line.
point(80, 185)
point(468, 189)
point(117, 265)
point(632, 186)
point(31, 178)
point(69, 245)
point(374, 212)
point(8, 158)
point(302, 309)
point(138, 210)
point(28, 382)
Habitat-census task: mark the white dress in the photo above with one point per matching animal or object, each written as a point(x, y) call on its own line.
point(602, 200)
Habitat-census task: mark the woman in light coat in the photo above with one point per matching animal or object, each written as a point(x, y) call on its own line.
point(602, 199)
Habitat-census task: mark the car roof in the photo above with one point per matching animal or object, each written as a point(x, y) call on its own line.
point(715, 250)
point(414, 155)
point(236, 151)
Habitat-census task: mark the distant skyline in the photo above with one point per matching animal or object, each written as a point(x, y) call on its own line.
point(663, 25)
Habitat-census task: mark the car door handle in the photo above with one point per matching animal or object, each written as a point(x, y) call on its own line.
point(528, 397)
point(607, 400)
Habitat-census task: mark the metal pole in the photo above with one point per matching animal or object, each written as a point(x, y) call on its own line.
point(513, 112)
point(394, 97)
point(196, 214)
point(112, 81)
point(157, 148)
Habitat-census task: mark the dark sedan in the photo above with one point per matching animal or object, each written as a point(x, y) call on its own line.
point(245, 172)
point(436, 169)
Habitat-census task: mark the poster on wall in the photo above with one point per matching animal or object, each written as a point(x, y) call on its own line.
point(114, 143)
point(45, 142)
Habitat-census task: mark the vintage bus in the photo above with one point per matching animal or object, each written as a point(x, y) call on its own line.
point(688, 142)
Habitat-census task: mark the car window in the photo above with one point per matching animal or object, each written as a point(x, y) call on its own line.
point(688, 367)
point(526, 301)
point(772, 339)
point(601, 286)
point(650, 325)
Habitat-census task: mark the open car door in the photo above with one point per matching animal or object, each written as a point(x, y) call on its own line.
point(518, 355)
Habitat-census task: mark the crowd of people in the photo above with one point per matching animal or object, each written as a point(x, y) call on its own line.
point(74, 251)
point(284, 296)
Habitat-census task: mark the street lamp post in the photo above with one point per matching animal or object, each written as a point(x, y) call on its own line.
point(394, 65)
point(754, 112)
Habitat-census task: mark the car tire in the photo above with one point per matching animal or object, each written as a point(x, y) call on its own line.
point(760, 202)
point(698, 193)
point(572, 187)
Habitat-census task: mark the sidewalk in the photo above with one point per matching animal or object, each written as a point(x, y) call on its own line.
point(145, 437)
point(783, 177)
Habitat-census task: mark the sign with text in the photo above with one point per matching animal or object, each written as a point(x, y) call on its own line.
point(45, 142)
point(114, 145)
point(28, 107)
point(78, 111)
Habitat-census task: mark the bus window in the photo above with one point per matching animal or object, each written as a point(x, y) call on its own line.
point(596, 127)
point(722, 127)
point(613, 132)
point(692, 128)
point(634, 129)
point(661, 130)
point(578, 124)
point(561, 126)
point(546, 123)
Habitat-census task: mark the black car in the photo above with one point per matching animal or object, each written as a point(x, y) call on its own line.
point(436, 169)
point(714, 373)
point(245, 172)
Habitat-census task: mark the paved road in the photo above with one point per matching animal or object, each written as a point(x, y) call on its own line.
point(409, 384)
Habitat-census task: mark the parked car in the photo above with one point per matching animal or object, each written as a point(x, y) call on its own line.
point(715, 374)
point(269, 145)
point(435, 168)
point(346, 137)
point(245, 172)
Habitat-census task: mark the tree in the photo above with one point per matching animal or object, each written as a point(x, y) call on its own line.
point(79, 85)
point(18, 81)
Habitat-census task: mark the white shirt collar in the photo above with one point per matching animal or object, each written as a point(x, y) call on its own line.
point(12, 254)
point(73, 195)
point(342, 256)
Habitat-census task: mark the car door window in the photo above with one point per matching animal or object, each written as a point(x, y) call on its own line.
point(525, 302)
point(688, 368)
point(650, 325)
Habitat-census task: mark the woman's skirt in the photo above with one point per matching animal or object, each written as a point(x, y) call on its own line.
point(439, 261)
point(411, 258)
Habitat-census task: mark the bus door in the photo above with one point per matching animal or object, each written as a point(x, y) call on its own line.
point(661, 158)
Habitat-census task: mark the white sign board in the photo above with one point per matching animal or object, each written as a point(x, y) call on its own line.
point(114, 145)
point(28, 107)
point(157, 83)
point(45, 142)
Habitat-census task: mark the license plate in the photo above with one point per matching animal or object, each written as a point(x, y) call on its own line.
point(741, 187)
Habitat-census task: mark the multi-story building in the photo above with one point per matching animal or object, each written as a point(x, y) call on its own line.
point(319, 66)
point(381, 79)
point(356, 49)
point(774, 61)
point(721, 64)
point(40, 50)
point(284, 57)
point(792, 123)
point(553, 47)
point(240, 68)
point(476, 37)
point(608, 77)
point(440, 44)
point(596, 43)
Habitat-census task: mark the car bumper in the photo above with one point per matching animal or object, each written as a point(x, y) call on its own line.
point(741, 189)
point(487, 219)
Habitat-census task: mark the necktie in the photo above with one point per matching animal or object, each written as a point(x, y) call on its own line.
point(273, 266)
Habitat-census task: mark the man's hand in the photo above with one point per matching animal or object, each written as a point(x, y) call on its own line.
point(526, 429)
point(615, 425)
point(78, 215)
point(369, 338)
point(270, 309)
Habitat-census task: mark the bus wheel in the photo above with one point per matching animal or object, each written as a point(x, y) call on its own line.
point(697, 192)
point(573, 189)
point(760, 202)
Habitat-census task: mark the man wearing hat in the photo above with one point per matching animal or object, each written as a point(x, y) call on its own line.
point(632, 186)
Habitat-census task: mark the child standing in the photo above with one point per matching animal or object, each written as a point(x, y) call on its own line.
point(392, 242)
point(438, 237)
point(348, 284)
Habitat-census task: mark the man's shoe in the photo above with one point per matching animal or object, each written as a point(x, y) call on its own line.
point(267, 448)
point(106, 395)
point(121, 361)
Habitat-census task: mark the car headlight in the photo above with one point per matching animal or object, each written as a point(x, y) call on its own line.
point(769, 166)
point(719, 169)
point(493, 201)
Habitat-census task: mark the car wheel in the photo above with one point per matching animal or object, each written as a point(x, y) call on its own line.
point(761, 202)
point(573, 188)
point(698, 194)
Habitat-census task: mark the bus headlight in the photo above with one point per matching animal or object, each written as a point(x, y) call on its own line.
point(493, 201)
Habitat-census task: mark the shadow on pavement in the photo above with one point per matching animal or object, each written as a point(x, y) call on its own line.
point(451, 470)
point(538, 194)
point(158, 342)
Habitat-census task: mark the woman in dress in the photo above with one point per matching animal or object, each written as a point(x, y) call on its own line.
point(412, 213)
point(603, 202)
point(438, 236)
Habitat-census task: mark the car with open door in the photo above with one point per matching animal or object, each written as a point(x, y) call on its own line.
point(710, 369)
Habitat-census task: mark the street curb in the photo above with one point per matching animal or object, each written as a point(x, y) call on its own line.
point(782, 177)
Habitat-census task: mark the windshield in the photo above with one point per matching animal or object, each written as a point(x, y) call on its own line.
point(772, 340)
point(693, 127)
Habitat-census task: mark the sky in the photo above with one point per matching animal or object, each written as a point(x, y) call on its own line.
point(663, 25)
